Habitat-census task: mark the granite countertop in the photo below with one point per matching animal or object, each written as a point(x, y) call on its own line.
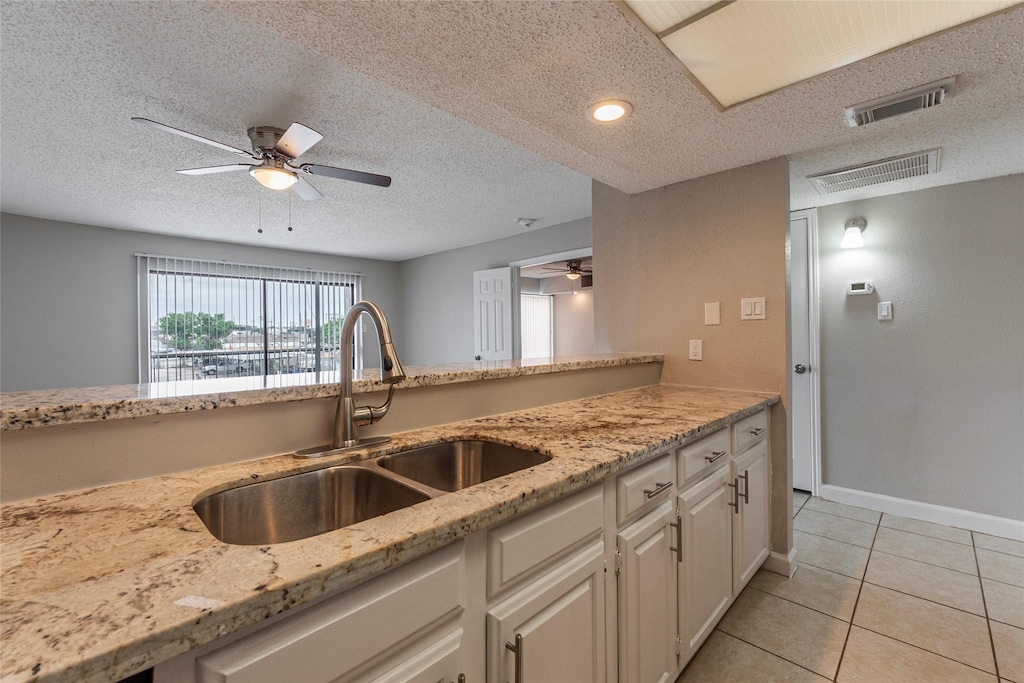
point(100, 583)
point(29, 409)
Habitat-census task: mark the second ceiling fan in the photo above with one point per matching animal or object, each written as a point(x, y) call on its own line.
point(274, 151)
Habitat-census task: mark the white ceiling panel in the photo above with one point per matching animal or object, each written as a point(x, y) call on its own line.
point(752, 47)
point(660, 15)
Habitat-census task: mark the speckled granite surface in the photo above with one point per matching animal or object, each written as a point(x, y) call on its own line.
point(93, 581)
point(28, 409)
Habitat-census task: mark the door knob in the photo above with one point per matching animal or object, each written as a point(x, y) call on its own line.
point(800, 369)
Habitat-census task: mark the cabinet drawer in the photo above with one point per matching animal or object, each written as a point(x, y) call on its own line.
point(643, 488)
point(337, 638)
point(749, 431)
point(517, 548)
point(710, 452)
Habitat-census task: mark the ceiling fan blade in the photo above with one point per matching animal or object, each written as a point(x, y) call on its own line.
point(304, 189)
point(215, 169)
point(347, 174)
point(297, 140)
point(193, 136)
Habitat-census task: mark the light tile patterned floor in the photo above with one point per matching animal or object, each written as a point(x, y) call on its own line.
point(877, 598)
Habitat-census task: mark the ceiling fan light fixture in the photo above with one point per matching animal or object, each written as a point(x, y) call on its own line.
point(608, 111)
point(573, 275)
point(273, 178)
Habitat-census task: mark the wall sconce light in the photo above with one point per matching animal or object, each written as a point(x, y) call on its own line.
point(852, 238)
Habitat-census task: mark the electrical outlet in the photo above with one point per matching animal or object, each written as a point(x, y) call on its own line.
point(696, 349)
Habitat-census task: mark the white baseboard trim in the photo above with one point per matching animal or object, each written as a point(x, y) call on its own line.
point(782, 564)
point(964, 519)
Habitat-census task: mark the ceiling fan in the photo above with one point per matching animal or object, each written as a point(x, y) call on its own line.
point(573, 269)
point(274, 151)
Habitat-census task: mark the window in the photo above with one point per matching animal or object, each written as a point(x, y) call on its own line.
point(203, 319)
point(536, 313)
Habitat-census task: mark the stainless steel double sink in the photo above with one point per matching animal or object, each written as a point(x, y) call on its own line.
point(303, 505)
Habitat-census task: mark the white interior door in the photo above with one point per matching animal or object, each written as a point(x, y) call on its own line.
point(804, 335)
point(492, 314)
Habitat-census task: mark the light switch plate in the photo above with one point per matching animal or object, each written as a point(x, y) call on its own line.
point(752, 309)
point(713, 314)
point(885, 310)
point(696, 349)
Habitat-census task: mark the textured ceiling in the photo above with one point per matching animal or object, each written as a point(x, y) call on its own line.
point(477, 109)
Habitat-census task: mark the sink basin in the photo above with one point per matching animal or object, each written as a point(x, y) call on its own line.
point(457, 464)
point(302, 505)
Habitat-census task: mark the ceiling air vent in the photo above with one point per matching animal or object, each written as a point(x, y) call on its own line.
point(893, 105)
point(876, 172)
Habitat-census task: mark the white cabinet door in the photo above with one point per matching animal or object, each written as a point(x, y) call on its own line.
point(647, 598)
point(705, 575)
point(559, 621)
point(492, 314)
point(750, 526)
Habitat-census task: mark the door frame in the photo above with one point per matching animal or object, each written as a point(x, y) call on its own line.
point(809, 261)
point(517, 323)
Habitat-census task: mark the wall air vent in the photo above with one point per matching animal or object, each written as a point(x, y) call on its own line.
point(877, 172)
point(893, 105)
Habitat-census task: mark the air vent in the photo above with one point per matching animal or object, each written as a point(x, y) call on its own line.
point(893, 105)
point(586, 281)
point(877, 172)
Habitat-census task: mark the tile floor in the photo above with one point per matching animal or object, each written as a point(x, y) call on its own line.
point(876, 598)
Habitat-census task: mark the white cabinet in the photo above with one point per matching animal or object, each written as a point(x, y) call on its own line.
point(705, 574)
point(751, 520)
point(647, 598)
point(553, 629)
point(348, 637)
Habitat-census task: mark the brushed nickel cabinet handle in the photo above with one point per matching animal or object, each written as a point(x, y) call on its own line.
point(517, 649)
point(736, 490)
point(715, 456)
point(757, 432)
point(746, 488)
point(661, 486)
point(678, 526)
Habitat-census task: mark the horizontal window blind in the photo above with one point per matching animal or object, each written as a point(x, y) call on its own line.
point(201, 318)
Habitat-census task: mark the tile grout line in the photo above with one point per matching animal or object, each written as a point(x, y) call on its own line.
point(758, 647)
point(924, 649)
point(934, 602)
point(984, 606)
point(930, 564)
point(856, 603)
point(798, 604)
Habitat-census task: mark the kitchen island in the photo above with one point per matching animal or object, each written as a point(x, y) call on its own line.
point(105, 582)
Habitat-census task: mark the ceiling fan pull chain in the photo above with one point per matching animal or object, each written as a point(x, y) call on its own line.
point(259, 209)
point(289, 211)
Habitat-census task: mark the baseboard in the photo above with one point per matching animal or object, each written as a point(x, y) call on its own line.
point(781, 564)
point(964, 519)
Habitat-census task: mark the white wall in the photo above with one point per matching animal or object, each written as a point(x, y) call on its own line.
point(69, 307)
point(930, 406)
point(436, 291)
point(574, 324)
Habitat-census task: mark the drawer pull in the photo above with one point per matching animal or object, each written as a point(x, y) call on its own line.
point(678, 549)
point(758, 432)
point(661, 487)
point(735, 505)
point(746, 488)
point(517, 649)
point(715, 456)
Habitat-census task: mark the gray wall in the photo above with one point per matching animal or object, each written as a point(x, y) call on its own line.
point(436, 291)
point(930, 406)
point(659, 256)
point(69, 308)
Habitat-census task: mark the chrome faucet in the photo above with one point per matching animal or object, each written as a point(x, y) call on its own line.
point(349, 416)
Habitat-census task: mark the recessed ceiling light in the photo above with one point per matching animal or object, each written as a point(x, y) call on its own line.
point(610, 110)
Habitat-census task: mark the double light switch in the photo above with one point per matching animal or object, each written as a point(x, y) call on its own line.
point(752, 309)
